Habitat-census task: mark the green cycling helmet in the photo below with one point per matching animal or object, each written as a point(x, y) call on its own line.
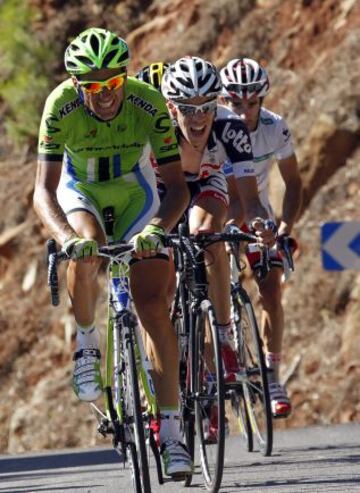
point(95, 49)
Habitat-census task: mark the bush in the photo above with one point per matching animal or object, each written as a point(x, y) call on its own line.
point(24, 71)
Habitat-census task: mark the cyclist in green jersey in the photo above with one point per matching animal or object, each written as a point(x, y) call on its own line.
point(97, 131)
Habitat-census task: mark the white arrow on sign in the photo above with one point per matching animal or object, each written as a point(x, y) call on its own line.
point(337, 245)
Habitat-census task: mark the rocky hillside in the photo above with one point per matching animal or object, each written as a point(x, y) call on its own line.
point(310, 48)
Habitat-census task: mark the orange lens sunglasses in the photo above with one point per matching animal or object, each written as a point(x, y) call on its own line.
point(95, 86)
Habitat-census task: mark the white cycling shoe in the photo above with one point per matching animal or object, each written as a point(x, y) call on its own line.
point(87, 382)
point(176, 459)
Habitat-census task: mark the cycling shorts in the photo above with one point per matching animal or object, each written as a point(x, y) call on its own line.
point(214, 186)
point(254, 257)
point(133, 196)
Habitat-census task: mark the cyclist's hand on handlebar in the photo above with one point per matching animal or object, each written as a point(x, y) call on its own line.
point(265, 230)
point(80, 248)
point(230, 228)
point(149, 242)
point(284, 241)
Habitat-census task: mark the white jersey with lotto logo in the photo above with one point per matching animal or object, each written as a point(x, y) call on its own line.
point(229, 140)
point(272, 138)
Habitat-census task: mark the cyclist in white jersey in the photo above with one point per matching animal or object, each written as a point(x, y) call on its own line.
point(245, 84)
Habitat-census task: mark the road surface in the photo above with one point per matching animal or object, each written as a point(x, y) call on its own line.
point(318, 459)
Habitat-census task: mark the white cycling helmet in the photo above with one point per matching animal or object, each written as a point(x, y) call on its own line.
point(244, 77)
point(189, 77)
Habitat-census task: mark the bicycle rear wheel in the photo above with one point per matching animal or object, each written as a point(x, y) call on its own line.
point(242, 419)
point(134, 423)
point(255, 385)
point(209, 396)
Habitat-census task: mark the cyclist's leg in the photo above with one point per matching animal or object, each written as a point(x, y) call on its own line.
point(149, 280)
point(149, 283)
point(272, 323)
point(82, 275)
point(209, 214)
point(83, 289)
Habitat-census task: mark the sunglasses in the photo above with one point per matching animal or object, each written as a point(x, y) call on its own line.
point(251, 87)
point(96, 86)
point(192, 109)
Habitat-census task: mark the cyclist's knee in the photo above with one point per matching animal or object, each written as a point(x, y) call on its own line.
point(270, 296)
point(216, 251)
point(85, 270)
point(87, 226)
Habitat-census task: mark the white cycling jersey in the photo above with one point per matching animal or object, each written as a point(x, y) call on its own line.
point(272, 138)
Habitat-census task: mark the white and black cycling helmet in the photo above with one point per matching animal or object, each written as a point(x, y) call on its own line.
point(244, 77)
point(189, 77)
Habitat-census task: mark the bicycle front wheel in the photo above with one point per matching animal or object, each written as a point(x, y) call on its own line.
point(181, 320)
point(209, 396)
point(255, 383)
point(135, 424)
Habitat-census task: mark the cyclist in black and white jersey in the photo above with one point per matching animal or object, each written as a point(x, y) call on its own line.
point(245, 84)
point(208, 136)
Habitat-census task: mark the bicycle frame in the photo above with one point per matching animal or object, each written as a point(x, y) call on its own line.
point(121, 315)
point(126, 365)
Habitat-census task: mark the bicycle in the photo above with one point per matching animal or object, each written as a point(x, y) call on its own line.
point(202, 386)
point(249, 397)
point(125, 366)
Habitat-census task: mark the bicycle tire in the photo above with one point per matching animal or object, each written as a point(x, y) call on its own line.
point(209, 396)
point(239, 408)
point(255, 385)
point(136, 420)
point(134, 464)
point(187, 418)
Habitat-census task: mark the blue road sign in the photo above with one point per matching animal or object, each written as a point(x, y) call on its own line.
point(340, 243)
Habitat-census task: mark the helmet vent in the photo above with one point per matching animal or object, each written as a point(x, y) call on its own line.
point(71, 64)
point(109, 57)
point(124, 56)
point(94, 42)
point(186, 83)
point(206, 78)
point(86, 61)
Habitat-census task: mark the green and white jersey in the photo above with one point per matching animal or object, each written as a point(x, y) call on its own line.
point(107, 164)
point(97, 151)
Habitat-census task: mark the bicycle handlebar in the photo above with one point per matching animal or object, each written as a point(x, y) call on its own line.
point(288, 263)
point(53, 282)
point(54, 257)
point(206, 239)
point(202, 239)
point(285, 247)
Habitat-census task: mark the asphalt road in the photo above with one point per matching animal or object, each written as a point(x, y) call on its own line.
point(319, 459)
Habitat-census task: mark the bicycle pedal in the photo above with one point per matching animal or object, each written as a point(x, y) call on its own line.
point(105, 428)
point(180, 477)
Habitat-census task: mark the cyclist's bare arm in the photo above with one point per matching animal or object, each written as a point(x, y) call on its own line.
point(247, 187)
point(293, 193)
point(46, 204)
point(236, 206)
point(177, 195)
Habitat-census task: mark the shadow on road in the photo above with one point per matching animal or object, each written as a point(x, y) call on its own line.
point(58, 461)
